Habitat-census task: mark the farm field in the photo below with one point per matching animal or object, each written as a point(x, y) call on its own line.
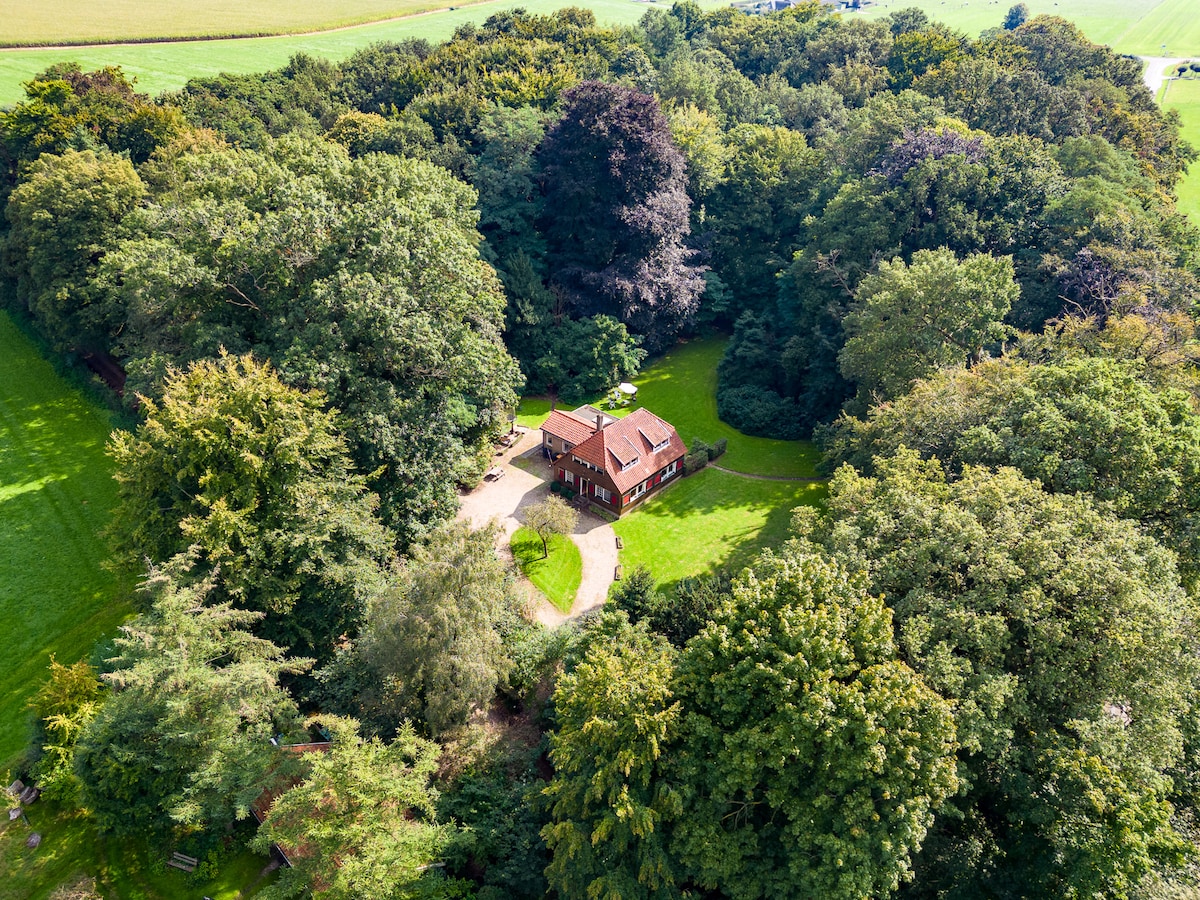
point(710, 520)
point(1140, 27)
point(106, 21)
point(162, 67)
point(682, 388)
point(56, 492)
point(1183, 94)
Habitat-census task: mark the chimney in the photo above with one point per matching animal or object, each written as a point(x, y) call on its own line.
point(599, 422)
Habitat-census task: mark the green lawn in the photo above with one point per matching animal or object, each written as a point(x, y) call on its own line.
point(71, 849)
point(1183, 94)
point(681, 387)
point(168, 66)
point(708, 521)
point(558, 575)
point(56, 493)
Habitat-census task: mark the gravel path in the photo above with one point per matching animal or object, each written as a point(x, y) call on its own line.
point(503, 500)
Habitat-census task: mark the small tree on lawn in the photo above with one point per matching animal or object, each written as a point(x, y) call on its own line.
point(551, 516)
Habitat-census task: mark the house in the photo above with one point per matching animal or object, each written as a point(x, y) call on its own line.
point(614, 462)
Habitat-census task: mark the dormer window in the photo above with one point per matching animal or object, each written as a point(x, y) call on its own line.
point(629, 465)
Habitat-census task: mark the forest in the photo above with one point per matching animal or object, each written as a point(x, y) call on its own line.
point(953, 262)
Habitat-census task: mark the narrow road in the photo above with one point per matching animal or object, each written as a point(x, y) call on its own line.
point(1156, 70)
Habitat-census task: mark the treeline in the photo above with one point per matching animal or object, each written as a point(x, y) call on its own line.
point(956, 260)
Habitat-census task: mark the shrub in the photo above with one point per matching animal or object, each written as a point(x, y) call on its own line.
point(718, 448)
point(760, 411)
point(695, 461)
point(555, 487)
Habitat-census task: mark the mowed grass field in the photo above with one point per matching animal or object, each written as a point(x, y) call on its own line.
point(107, 21)
point(56, 493)
point(1140, 27)
point(168, 66)
point(1183, 94)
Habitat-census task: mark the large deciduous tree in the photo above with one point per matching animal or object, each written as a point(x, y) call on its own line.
point(255, 476)
point(434, 640)
point(63, 217)
point(908, 320)
point(360, 278)
point(616, 211)
point(811, 759)
point(1062, 636)
point(1088, 424)
point(610, 806)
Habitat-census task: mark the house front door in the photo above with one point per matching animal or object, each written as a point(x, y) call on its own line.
point(583, 486)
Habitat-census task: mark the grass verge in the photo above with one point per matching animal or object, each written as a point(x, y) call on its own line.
point(56, 494)
point(558, 575)
point(710, 521)
point(681, 387)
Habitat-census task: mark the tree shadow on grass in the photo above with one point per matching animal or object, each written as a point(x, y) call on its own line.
point(709, 522)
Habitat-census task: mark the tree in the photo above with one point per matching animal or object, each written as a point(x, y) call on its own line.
point(1062, 637)
point(1088, 424)
point(360, 278)
point(255, 476)
point(811, 760)
point(616, 211)
point(63, 217)
point(911, 319)
point(434, 640)
point(361, 821)
point(550, 517)
point(610, 808)
point(1016, 16)
point(185, 738)
point(64, 706)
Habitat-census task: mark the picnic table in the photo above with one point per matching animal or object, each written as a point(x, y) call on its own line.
point(494, 473)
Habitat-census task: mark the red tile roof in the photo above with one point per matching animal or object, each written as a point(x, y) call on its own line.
point(569, 427)
point(630, 441)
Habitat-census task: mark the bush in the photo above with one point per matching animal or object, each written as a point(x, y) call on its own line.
point(760, 411)
point(718, 448)
point(695, 461)
point(555, 487)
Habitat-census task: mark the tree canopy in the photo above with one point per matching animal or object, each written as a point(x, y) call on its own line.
point(254, 477)
point(1061, 635)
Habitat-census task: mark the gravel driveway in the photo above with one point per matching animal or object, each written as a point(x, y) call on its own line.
point(502, 500)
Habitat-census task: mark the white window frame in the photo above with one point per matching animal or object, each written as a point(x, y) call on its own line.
point(637, 491)
point(629, 465)
point(671, 469)
point(568, 476)
point(604, 494)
